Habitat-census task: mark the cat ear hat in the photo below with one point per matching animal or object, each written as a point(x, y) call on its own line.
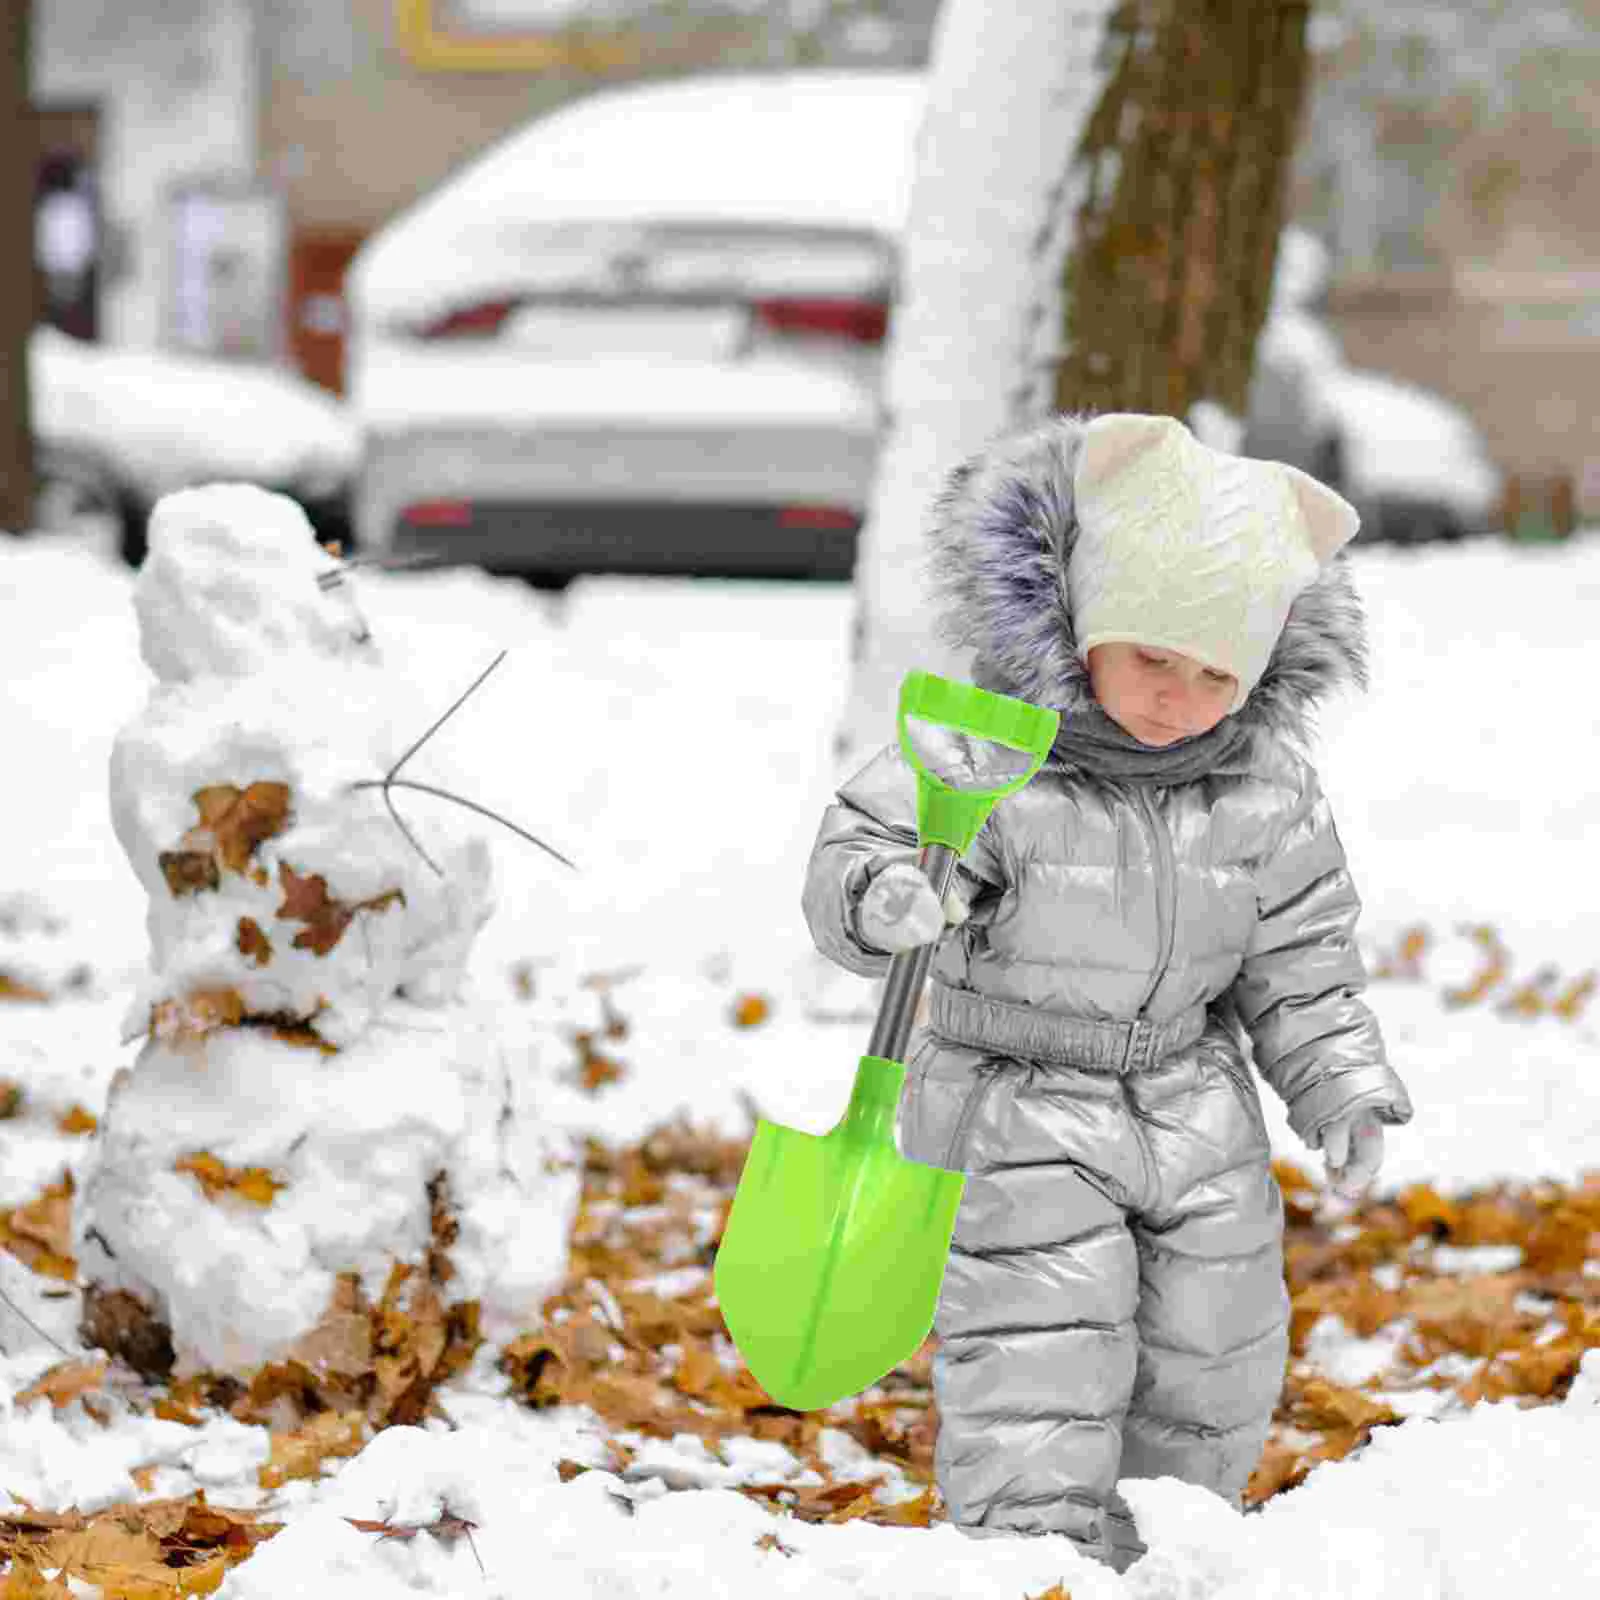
point(1182, 547)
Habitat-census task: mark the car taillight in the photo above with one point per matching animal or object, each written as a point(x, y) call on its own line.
point(822, 518)
point(471, 322)
point(864, 321)
point(438, 513)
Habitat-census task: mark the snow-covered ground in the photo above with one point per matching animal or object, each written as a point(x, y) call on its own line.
point(672, 738)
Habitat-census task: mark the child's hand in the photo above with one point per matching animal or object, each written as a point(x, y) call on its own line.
point(1352, 1146)
point(900, 911)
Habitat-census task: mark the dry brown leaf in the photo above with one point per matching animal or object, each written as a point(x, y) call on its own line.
point(252, 943)
point(1056, 1591)
point(11, 1100)
point(77, 1120)
point(39, 1234)
point(445, 1529)
point(65, 1382)
point(328, 1436)
point(238, 820)
point(595, 1070)
point(1570, 1003)
point(13, 988)
point(198, 1013)
point(255, 1184)
point(1495, 966)
point(306, 899)
point(189, 871)
point(751, 1010)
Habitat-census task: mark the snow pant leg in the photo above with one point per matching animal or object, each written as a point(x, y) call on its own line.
point(1036, 1358)
point(1213, 1332)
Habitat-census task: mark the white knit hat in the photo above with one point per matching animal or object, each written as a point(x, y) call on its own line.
point(1182, 547)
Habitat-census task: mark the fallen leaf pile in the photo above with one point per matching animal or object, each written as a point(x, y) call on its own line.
point(657, 1362)
point(1543, 992)
point(1514, 1329)
point(138, 1552)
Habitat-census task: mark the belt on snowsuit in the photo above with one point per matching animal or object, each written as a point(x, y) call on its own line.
point(1029, 1033)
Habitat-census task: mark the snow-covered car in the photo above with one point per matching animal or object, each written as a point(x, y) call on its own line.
point(644, 333)
point(641, 333)
point(117, 428)
point(1414, 465)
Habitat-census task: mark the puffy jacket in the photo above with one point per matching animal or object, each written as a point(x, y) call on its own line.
point(1113, 1305)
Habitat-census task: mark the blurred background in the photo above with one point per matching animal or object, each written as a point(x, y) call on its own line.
point(553, 287)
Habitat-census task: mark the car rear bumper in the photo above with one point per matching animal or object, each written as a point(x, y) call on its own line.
point(562, 540)
point(741, 499)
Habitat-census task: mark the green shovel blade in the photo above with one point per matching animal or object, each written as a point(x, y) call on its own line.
point(829, 1268)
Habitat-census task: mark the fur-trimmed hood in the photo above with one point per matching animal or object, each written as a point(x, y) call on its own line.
point(1001, 534)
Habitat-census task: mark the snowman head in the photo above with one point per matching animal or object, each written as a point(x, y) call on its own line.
point(234, 582)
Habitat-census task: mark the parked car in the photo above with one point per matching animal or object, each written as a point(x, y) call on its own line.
point(1414, 465)
point(644, 333)
point(116, 428)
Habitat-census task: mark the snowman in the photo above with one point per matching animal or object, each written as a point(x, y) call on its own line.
point(316, 1101)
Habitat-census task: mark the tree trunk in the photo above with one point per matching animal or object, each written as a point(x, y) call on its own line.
point(1187, 164)
point(1094, 223)
point(17, 285)
point(1011, 89)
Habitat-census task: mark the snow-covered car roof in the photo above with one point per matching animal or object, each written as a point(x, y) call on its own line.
point(1402, 440)
point(165, 421)
point(819, 150)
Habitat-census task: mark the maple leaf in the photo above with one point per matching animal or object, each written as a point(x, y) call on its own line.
point(77, 1120)
point(306, 899)
point(255, 1184)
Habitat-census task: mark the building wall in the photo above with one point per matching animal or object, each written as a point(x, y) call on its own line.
point(1519, 351)
point(175, 82)
point(355, 130)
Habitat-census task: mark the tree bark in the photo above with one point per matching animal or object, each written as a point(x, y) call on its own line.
point(1099, 191)
point(1187, 163)
point(18, 290)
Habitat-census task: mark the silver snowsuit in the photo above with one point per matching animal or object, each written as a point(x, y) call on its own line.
point(1113, 1305)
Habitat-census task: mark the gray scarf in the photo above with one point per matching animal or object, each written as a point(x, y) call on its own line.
point(1091, 742)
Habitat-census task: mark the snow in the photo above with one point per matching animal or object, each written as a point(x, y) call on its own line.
point(673, 738)
point(267, 678)
point(978, 314)
point(631, 159)
point(165, 421)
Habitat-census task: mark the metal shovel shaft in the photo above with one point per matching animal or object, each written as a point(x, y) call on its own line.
point(908, 971)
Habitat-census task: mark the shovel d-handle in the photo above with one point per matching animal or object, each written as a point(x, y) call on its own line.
point(945, 814)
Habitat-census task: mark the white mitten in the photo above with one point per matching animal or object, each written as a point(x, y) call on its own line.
point(1352, 1147)
point(900, 911)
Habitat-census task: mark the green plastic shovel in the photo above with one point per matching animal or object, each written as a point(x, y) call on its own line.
point(829, 1268)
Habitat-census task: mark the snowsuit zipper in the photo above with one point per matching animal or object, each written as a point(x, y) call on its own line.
point(1166, 894)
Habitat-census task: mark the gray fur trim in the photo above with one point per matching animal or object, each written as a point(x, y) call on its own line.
point(1000, 534)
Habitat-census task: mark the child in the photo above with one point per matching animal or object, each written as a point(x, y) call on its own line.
point(1170, 882)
